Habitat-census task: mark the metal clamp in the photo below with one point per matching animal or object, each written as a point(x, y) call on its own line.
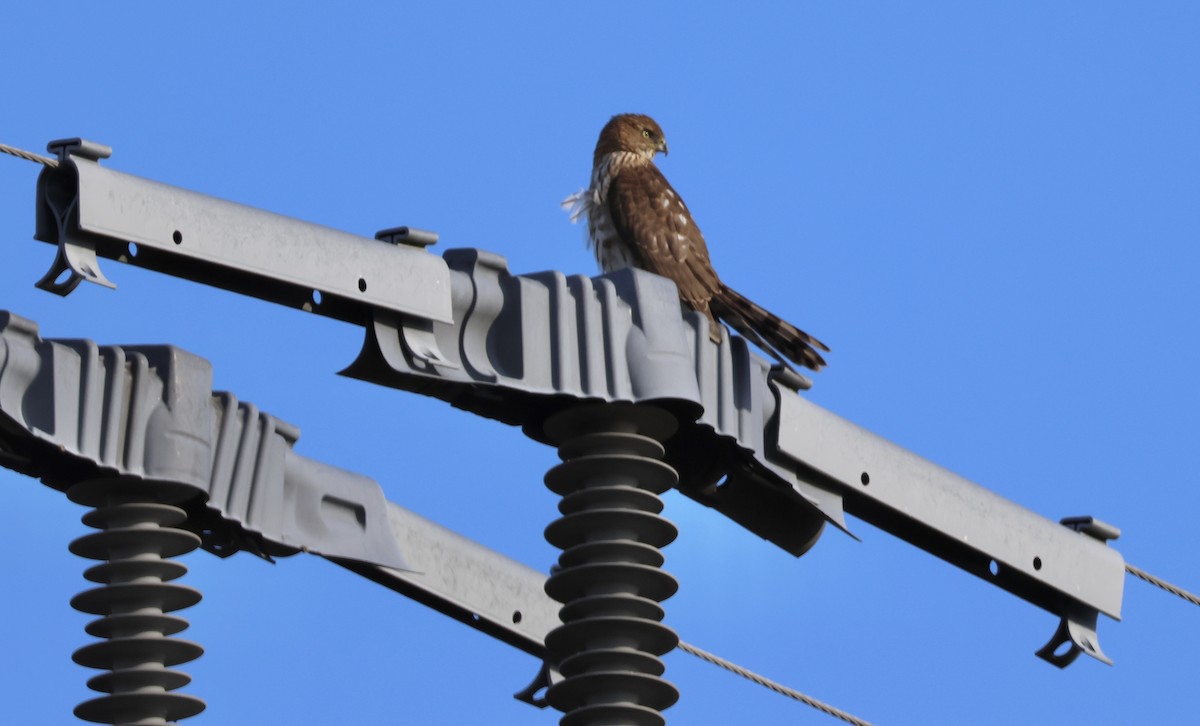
point(76, 258)
point(1077, 630)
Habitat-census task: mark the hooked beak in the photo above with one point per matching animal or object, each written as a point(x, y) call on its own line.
point(662, 146)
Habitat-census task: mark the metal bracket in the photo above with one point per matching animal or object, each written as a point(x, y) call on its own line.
point(1092, 527)
point(404, 341)
point(789, 378)
point(1077, 631)
point(76, 253)
point(410, 236)
point(535, 693)
point(90, 150)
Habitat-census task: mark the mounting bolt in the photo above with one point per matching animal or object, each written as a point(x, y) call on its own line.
point(408, 236)
point(789, 378)
point(82, 148)
point(1092, 527)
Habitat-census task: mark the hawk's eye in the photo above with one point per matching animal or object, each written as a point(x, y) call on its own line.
point(646, 133)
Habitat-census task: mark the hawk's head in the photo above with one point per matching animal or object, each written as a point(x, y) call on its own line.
point(631, 132)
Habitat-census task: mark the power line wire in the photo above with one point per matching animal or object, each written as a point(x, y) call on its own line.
point(848, 718)
point(1178, 591)
point(29, 156)
point(774, 686)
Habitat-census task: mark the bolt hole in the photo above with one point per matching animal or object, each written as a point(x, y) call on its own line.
point(994, 568)
point(865, 478)
point(516, 616)
point(316, 297)
point(132, 250)
point(1063, 648)
point(362, 284)
point(475, 617)
point(1037, 563)
point(178, 237)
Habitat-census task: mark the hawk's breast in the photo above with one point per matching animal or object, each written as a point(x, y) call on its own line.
point(612, 252)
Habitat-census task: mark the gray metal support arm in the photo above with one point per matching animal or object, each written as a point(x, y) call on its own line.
point(71, 411)
point(142, 421)
point(138, 433)
point(518, 348)
point(1055, 567)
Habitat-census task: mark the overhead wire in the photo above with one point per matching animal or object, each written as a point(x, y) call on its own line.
point(773, 685)
point(1160, 583)
point(29, 156)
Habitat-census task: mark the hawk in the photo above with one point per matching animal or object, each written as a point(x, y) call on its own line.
point(635, 219)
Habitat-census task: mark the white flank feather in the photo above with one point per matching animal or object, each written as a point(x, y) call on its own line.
point(576, 205)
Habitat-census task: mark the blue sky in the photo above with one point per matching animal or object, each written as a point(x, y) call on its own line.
point(990, 211)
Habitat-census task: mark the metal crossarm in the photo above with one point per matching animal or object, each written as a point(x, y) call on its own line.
point(71, 410)
point(520, 348)
point(91, 212)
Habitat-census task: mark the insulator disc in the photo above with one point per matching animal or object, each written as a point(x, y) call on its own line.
point(611, 633)
point(598, 606)
point(649, 474)
point(127, 626)
point(133, 679)
point(611, 443)
point(583, 580)
point(581, 527)
point(636, 689)
point(134, 513)
point(636, 553)
point(125, 571)
point(115, 544)
point(610, 497)
point(119, 653)
point(123, 599)
point(138, 708)
point(626, 715)
point(623, 659)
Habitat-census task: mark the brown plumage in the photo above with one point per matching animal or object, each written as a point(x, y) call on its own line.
point(635, 219)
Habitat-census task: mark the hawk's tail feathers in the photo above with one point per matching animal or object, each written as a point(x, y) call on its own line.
point(769, 332)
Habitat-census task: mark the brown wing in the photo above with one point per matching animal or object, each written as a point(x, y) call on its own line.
point(654, 222)
point(652, 219)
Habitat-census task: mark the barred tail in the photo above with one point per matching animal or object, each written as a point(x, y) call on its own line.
point(769, 332)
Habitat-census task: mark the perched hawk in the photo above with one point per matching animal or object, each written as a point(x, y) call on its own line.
point(635, 219)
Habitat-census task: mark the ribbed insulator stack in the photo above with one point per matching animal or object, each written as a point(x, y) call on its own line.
point(608, 576)
point(137, 536)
